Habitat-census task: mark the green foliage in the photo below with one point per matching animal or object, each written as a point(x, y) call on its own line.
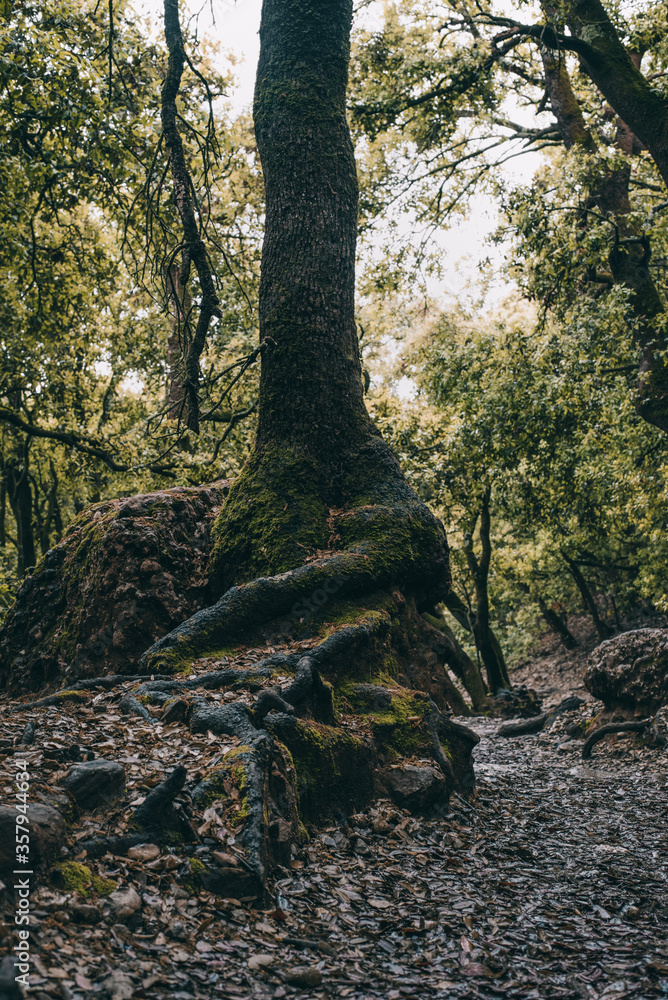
point(538, 420)
point(87, 223)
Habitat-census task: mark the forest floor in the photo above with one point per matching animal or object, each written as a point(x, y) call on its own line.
point(550, 882)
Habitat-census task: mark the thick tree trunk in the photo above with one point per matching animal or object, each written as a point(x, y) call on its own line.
point(320, 537)
point(311, 394)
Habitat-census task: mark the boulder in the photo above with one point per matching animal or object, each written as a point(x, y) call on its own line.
point(95, 782)
point(416, 787)
point(126, 572)
point(630, 671)
point(46, 830)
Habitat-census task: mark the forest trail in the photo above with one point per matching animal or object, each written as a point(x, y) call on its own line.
point(549, 883)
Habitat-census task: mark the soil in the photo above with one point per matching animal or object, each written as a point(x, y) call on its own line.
point(549, 882)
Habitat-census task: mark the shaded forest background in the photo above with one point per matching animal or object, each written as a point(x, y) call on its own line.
point(522, 424)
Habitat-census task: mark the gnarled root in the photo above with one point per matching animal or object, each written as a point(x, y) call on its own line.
point(612, 727)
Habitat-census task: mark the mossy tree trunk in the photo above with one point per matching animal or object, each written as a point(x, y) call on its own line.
point(322, 495)
point(320, 537)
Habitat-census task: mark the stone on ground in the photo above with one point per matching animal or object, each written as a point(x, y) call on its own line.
point(95, 782)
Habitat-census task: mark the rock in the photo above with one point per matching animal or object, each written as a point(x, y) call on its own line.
point(256, 962)
point(144, 852)
point(178, 932)
point(91, 608)
point(47, 834)
point(225, 860)
point(9, 988)
point(118, 986)
point(95, 782)
point(630, 671)
point(176, 711)
point(521, 701)
point(416, 787)
point(231, 883)
point(125, 903)
point(84, 913)
point(304, 975)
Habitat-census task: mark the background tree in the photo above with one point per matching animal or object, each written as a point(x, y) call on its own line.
point(444, 100)
point(85, 351)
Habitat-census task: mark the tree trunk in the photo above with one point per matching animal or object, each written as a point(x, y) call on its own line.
point(603, 630)
point(320, 537)
point(557, 624)
point(486, 642)
point(20, 499)
point(460, 663)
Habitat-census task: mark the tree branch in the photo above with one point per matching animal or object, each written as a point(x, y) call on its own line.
point(194, 248)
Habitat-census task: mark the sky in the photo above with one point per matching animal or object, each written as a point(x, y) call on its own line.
point(235, 25)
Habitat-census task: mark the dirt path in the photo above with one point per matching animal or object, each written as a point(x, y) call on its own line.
point(551, 882)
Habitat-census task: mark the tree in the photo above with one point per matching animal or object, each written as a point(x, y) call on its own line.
point(320, 538)
point(519, 431)
point(322, 494)
point(83, 321)
point(438, 99)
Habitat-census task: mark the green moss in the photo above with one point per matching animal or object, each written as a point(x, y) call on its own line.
point(172, 838)
point(332, 766)
point(197, 867)
point(274, 517)
point(73, 695)
point(232, 767)
point(193, 881)
point(400, 729)
point(79, 878)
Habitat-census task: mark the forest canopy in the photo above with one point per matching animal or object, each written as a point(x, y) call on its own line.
point(533, 422)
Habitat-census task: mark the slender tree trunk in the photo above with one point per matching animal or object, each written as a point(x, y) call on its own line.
point(178, 343)
point(486, 642)
point(20, 498)
point(3, 509)
point(557, 625)
point(603, 630)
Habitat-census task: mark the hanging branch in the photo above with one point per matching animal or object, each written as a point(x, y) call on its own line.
point(194, 249)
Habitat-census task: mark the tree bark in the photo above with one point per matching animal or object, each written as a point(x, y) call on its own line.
point(610, 67)
point(20, 499)
point(556, 624)
point(486, 642)
point(311, 392)
point(603, 630)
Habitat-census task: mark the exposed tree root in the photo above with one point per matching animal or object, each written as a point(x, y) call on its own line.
point(537, 723)
point(611, 727)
